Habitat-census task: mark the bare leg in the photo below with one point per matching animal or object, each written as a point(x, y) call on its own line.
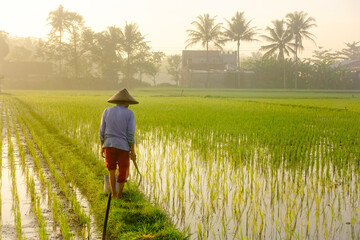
point(121, 185)
point(112, 179)
point(121, 188)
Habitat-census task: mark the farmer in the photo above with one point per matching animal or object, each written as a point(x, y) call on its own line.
point(117, 139)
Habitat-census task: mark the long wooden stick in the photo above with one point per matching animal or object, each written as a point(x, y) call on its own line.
point(106, 215)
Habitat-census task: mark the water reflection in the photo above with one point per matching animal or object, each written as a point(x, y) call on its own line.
point(214, 196)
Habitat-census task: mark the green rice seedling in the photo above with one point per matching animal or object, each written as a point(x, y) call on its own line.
point(79, 212)
point(82, 217)
point(42, 224)
point(62, 163)
point(59, 217)
point(292, 143)
point(30, 187)
point(15, 202)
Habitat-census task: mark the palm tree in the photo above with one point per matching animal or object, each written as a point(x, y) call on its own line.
point(280, 39)
point(105, 52)
point(76, 25)
point(298, 24)
point(131, 42)
point(59, 20)
point(206, 31)
point(4, 51)
point(238, 30)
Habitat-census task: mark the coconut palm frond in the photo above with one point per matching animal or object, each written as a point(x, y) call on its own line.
point(279, 38)
point(268, 47)
point(267, 38)
point(238, 29)
point(299, 24)
point(205, 31)
point(269, 53)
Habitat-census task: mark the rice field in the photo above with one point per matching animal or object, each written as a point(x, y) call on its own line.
point(52, 188)
point(37, 202)
point(221, 164)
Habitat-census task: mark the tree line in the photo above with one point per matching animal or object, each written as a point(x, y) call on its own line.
point(279, 59)
point(80, 55)
point(123, 56)
point(106, 55)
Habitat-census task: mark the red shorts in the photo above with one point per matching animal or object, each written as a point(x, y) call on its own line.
point(113, 157)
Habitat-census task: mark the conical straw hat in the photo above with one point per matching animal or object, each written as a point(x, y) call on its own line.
point(122, 96)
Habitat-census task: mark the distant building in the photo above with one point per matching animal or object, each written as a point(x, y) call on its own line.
point(196, 60)
point(354, 67)
point(219, 72)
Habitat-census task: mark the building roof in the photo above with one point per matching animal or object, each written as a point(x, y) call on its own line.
point(201, 52)
point(218, 60)
point(350, 64)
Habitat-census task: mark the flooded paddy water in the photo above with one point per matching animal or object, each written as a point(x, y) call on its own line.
point(29, 191)
point(230, 169)
point(213, 196)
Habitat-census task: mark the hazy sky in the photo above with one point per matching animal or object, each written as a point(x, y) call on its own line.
point(164, 22)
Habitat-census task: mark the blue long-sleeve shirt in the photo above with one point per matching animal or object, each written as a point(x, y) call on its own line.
point(117, 128)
